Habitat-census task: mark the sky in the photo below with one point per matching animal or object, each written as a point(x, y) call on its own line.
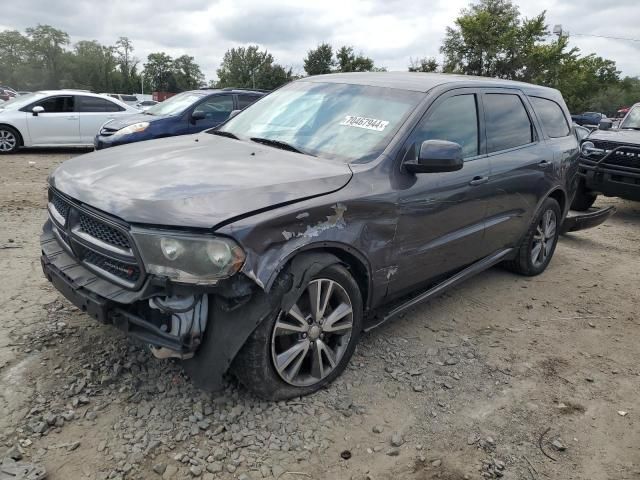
point(390, 31)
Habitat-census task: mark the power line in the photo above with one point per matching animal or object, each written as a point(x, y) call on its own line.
point(604, 36)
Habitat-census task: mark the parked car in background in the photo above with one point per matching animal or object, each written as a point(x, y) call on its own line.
point(146, 104)
point(125, 98)
point(24, 92)
point(187, 112)
point(333, 204)
point(7, 94)
point(610, 162)
point(56, 118)
point(588, 118)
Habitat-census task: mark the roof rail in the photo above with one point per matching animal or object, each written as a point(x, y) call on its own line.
point(262, 90)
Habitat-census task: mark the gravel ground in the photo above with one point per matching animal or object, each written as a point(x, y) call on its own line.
point(503, 377)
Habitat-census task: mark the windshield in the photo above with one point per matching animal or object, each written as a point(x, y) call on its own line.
point(329, 120)
point(17, 103)
point(128, 98)
point(632, 120)
point(174, 105)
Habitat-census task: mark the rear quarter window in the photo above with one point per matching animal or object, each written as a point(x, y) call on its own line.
point(507, 122)
point(551, 116)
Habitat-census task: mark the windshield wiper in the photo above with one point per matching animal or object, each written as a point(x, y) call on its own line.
point(279, 144)
point(222, 133)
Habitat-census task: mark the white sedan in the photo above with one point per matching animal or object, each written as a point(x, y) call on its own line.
point(56, 118)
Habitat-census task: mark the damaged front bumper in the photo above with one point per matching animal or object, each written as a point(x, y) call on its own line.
point(171, 318)
point(581, 221)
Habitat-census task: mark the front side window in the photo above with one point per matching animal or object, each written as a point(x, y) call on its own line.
point(552, 117)
point(94, 104)
point(507, 122)
point(57, 104)
point(454, 119)
point(330, 120)
point(632, 120)
point(216, 109)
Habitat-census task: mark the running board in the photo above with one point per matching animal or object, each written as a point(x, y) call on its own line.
point(459, 277)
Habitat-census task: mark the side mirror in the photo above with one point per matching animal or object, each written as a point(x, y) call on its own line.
point(36, 110)
point(195, 116)
point(605, 124)
point(437, 156)
point(233, 114)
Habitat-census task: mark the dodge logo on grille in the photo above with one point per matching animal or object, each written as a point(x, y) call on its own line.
point(128, 271)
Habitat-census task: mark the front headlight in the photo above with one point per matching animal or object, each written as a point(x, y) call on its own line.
point(135, 128)
point(197, 259)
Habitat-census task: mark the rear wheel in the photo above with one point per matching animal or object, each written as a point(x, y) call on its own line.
point(583, 199)
point(303, 349)
point(539, 244)
point(9, 140)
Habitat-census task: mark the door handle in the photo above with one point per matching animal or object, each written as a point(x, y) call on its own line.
point(72, 118)
point(544, 164)
point(478, 180)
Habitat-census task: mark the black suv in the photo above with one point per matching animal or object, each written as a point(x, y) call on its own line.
point(333, 204)
point(610, 162)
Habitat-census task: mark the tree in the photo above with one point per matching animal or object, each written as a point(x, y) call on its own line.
point(348, 61)
point(127, 62)
point(47, 46)
point(158, 71)
point(251, 68)
point(319, 60)
point(424, 64)
point(187, 74)
point(14, 49)
point(490, 39)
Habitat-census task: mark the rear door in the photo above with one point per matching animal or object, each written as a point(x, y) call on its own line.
point(216, 109)
point(93, 113)
point(59, 124)
point(441, 215)
point(521, 165)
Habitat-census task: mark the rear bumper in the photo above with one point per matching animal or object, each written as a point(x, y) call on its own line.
point(581, 221)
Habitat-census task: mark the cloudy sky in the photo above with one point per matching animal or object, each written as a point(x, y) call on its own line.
point(389, 31)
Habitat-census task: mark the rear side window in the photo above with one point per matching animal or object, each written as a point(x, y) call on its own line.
point(552, 117)
point(507, 122)
point(57, 104)
point(455, 119)
point(94, 104)
point(246, 100)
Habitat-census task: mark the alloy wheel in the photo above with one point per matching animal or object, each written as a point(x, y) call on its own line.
point(310, 340)
point(8, 140)
point(544, 238)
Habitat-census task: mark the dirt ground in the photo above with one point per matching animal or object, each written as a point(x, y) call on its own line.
point(504, 376)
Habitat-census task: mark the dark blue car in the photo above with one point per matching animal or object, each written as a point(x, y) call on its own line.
point(182, 114)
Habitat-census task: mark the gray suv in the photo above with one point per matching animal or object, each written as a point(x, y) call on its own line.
point(267, 245)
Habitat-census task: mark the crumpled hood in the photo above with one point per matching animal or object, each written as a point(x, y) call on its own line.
point(126, 120)
point(194, 180)
point(613, 135)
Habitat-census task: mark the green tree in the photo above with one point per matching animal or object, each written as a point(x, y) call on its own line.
point(126, 62)
point(348, 61)
point(187, 74)
point(14, 49)
point(47, 46)
point(490, 39)
point(424, 64)
point(158, 71)
point(251, 68)
point(319, 60)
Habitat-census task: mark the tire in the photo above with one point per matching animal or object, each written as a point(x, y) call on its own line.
point(9, 140)
point(583, 199)
point(546, 239)
point(256, 363)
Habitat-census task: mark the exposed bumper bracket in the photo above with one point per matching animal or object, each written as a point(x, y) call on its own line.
point(590, 219)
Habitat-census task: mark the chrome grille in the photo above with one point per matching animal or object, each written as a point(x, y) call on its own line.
point(98, 242)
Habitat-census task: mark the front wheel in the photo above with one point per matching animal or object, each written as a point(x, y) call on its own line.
point(9, 140)
point(539, 244)
point(299, 351)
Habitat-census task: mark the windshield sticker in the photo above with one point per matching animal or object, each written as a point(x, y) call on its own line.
point(364, 122)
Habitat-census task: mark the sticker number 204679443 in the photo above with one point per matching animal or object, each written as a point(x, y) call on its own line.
point(364, 122)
